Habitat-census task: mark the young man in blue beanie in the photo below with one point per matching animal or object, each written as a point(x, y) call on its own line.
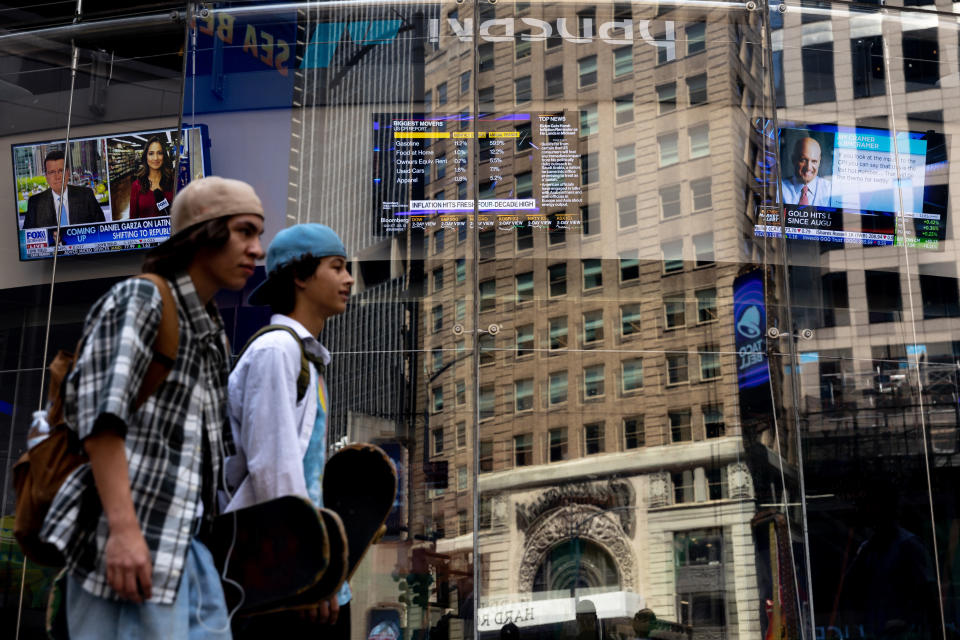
point(280, 431)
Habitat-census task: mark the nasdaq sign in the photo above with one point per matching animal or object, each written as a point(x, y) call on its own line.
point(328, 36)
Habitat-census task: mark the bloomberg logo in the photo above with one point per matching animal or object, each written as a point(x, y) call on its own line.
point(327, 36)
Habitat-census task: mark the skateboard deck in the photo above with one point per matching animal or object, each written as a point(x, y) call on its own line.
point(326, 585)
point(271, 552)
point(360, 485)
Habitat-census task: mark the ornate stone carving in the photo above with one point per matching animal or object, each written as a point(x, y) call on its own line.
point(587, 522)
point(661, 494)
point(605, 495)
point(739, 481)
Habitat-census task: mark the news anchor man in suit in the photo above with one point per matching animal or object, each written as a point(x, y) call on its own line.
point(806, 187)
point(81, 206)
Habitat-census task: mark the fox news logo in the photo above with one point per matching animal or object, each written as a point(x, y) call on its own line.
point(35, 238)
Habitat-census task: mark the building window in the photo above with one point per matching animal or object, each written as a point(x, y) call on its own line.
point(666, 98)
point(465, 82)
point(437, 279)
point(679, 425)
point(462, 480)
point(557, 439)
point(461, 435)
point(587, 71)
point(485, 56)
point(488, 346)
point(460, 310)
point(558, 332)
point(670, 202)
point(438, 240)
point(523, 450)
point(590, 219)
point(697, 89)
point(699, 141)
point(524, 185)
point(460, 396)
point(627, 211)
point(626, 160)
point(682, 486)
point(939, 295)
point(593, 381)
point(554, 40)
point(525, 340)
point(488, 295)
point(818, 73)
point(589, 168)
point(703, 249)
point(524, 287)
point(630, 319)
point(553, 80)
point(709, 363)
point(713, 421)
point(633, 436)
point(442, 93)
point(696, 37)
point(486, 407)
point(463, 523)
point(461, 195)
point(486, 456)
point(629, 266)
point(523, 137)
point(461, 269)
point(521, 90)
point(589, 120)
point(557, 387)
point(674, 311)
point(677, 369)
point(593, 326)
point(672, 252)
point(592, 273)
point(868, 68)
point(622, 61)
point(698, 548)
point(428, 101)
point(488, 244)
point(523, 395)
point(585, 21)
point(668, 148)
point(921, 59)
point(460, 349)
point(717, 484)
point(437, 316)
point(558, 279)
point(437, 399)
point(521, 49)
point(706, 305)
point(632, 374)
point(593, 438)
point(485, 100)
point(884, 303)
point(557, 234)
point(524, 238)
point(623, 109)
point(436, 355)
point(701, 191)
point(437, 441)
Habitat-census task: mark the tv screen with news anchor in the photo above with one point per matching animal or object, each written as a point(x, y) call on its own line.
point(104, 193)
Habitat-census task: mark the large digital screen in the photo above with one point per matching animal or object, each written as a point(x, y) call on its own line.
point(116, 190)
point(859, 186)
point(528, 164)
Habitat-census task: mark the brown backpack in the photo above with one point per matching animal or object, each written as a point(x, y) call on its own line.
point(40, 471)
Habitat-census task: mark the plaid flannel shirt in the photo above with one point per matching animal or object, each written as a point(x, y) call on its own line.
point(163, 438)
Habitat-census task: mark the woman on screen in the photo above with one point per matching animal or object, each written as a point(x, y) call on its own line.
point(151, 191)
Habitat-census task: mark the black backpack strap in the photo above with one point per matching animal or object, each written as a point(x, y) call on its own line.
point(303, 378)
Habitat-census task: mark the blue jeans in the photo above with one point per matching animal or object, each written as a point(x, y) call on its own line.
point(199, 611)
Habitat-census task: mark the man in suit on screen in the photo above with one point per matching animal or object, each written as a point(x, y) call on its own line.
point(806, 187)
point(80, 207)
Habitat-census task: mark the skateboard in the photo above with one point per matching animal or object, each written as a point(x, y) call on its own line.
point(360, 485)
point(271, 553)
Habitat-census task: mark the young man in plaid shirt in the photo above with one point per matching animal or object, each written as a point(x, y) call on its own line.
point(127, 522)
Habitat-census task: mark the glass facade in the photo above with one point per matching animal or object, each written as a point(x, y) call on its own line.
point(656, 304)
